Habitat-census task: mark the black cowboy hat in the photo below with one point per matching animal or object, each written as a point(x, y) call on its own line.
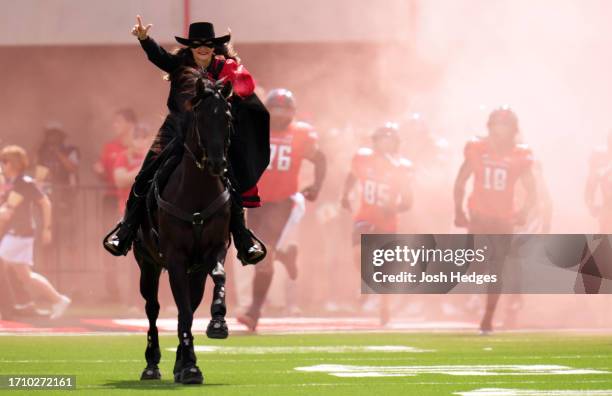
point(202, 33)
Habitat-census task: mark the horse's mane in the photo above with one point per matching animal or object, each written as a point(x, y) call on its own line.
point(186, 78)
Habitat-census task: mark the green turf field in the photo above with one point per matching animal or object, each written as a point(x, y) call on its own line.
point(331, 364)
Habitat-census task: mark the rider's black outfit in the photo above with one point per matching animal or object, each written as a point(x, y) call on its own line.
point(248, 154)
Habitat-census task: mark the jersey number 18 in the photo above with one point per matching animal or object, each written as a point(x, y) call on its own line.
point(495, 178)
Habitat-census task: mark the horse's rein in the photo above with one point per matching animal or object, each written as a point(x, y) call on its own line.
point(200, 163)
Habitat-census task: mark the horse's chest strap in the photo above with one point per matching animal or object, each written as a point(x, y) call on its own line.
point(198, 218)
point(195, 219)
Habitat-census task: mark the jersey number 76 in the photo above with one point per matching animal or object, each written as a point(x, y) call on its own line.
point(280, 157)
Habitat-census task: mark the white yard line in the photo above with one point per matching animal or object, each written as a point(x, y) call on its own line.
point(352, 371)
point(528, 392)
point(255, 350)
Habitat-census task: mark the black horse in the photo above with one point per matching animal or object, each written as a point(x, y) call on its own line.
point(187, 230)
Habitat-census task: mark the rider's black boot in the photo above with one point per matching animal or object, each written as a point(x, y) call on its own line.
point(250, 249)
point(119, 241)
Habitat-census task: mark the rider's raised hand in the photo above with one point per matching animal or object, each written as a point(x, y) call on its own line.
point(139, 30)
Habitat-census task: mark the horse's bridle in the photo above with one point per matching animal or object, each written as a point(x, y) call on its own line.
point(201, 162)
point(197, 219)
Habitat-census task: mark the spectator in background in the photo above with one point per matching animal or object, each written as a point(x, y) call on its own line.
point(57, 161)
point(127, 164)
point(57, 173)
point(123, 125)
point(17, 244)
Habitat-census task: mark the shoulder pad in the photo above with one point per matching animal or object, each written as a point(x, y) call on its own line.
point(302, 126)
point(313, 134)
point(524, 149)
point(475, 141)
point(474, 144)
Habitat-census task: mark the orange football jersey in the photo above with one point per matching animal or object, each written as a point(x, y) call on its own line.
point(382, 179)
point(287, 150)
point(495, 176)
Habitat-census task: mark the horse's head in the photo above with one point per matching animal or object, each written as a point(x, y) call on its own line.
point(210, 131)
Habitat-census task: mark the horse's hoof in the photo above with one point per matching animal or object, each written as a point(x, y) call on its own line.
point(191, 376)
point(150, 373)
point(217, 328)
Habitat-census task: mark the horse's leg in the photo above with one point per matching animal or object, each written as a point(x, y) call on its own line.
point(217, 327)
point(149, 286)
point(185, 369)
point(197, 281)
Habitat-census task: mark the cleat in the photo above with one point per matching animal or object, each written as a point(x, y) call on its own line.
point(60, 307)
point(486, 329)
point(248, 321)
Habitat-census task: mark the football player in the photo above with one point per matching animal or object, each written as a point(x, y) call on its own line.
point(291, 142)
point(496, 162)
point(600, 180)
point(384, 179)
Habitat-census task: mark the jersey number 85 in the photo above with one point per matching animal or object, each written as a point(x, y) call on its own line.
point(375, 193)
